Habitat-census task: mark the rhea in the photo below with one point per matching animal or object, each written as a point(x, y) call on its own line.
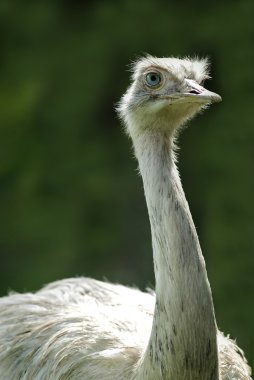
point(86, 329)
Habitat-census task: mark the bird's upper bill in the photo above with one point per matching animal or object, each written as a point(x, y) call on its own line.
point(167, 87)
point(195, 93)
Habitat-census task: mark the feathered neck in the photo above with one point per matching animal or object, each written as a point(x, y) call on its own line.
point(183, 341)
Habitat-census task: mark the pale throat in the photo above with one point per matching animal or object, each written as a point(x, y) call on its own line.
point(184, 332)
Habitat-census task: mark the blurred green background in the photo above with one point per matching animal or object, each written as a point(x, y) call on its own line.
point(71, 202)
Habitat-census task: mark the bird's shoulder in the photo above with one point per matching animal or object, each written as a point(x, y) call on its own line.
point(233, 364)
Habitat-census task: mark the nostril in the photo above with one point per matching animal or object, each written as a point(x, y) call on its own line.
point(194, 92)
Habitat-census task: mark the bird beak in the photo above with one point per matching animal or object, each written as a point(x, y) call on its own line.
point(196, 93)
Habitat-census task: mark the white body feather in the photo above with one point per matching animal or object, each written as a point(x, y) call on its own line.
point(83, 329)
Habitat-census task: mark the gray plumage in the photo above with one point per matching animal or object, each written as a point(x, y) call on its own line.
point(86, 329)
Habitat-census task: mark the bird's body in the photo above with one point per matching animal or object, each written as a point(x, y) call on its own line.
point(83, 329)
point(86, 329)
point(74, 329)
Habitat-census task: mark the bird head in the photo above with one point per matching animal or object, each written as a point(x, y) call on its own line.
point(165, 93)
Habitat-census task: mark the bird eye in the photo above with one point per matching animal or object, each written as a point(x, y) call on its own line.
point(153, 79)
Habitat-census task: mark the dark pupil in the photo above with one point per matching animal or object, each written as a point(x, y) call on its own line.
point(153, 79)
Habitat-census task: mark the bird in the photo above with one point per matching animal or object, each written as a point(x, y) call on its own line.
point(82, 328)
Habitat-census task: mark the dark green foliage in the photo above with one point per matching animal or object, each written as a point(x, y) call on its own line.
point(71, 202)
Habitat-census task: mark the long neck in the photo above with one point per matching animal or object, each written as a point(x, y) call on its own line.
point(183, 341)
